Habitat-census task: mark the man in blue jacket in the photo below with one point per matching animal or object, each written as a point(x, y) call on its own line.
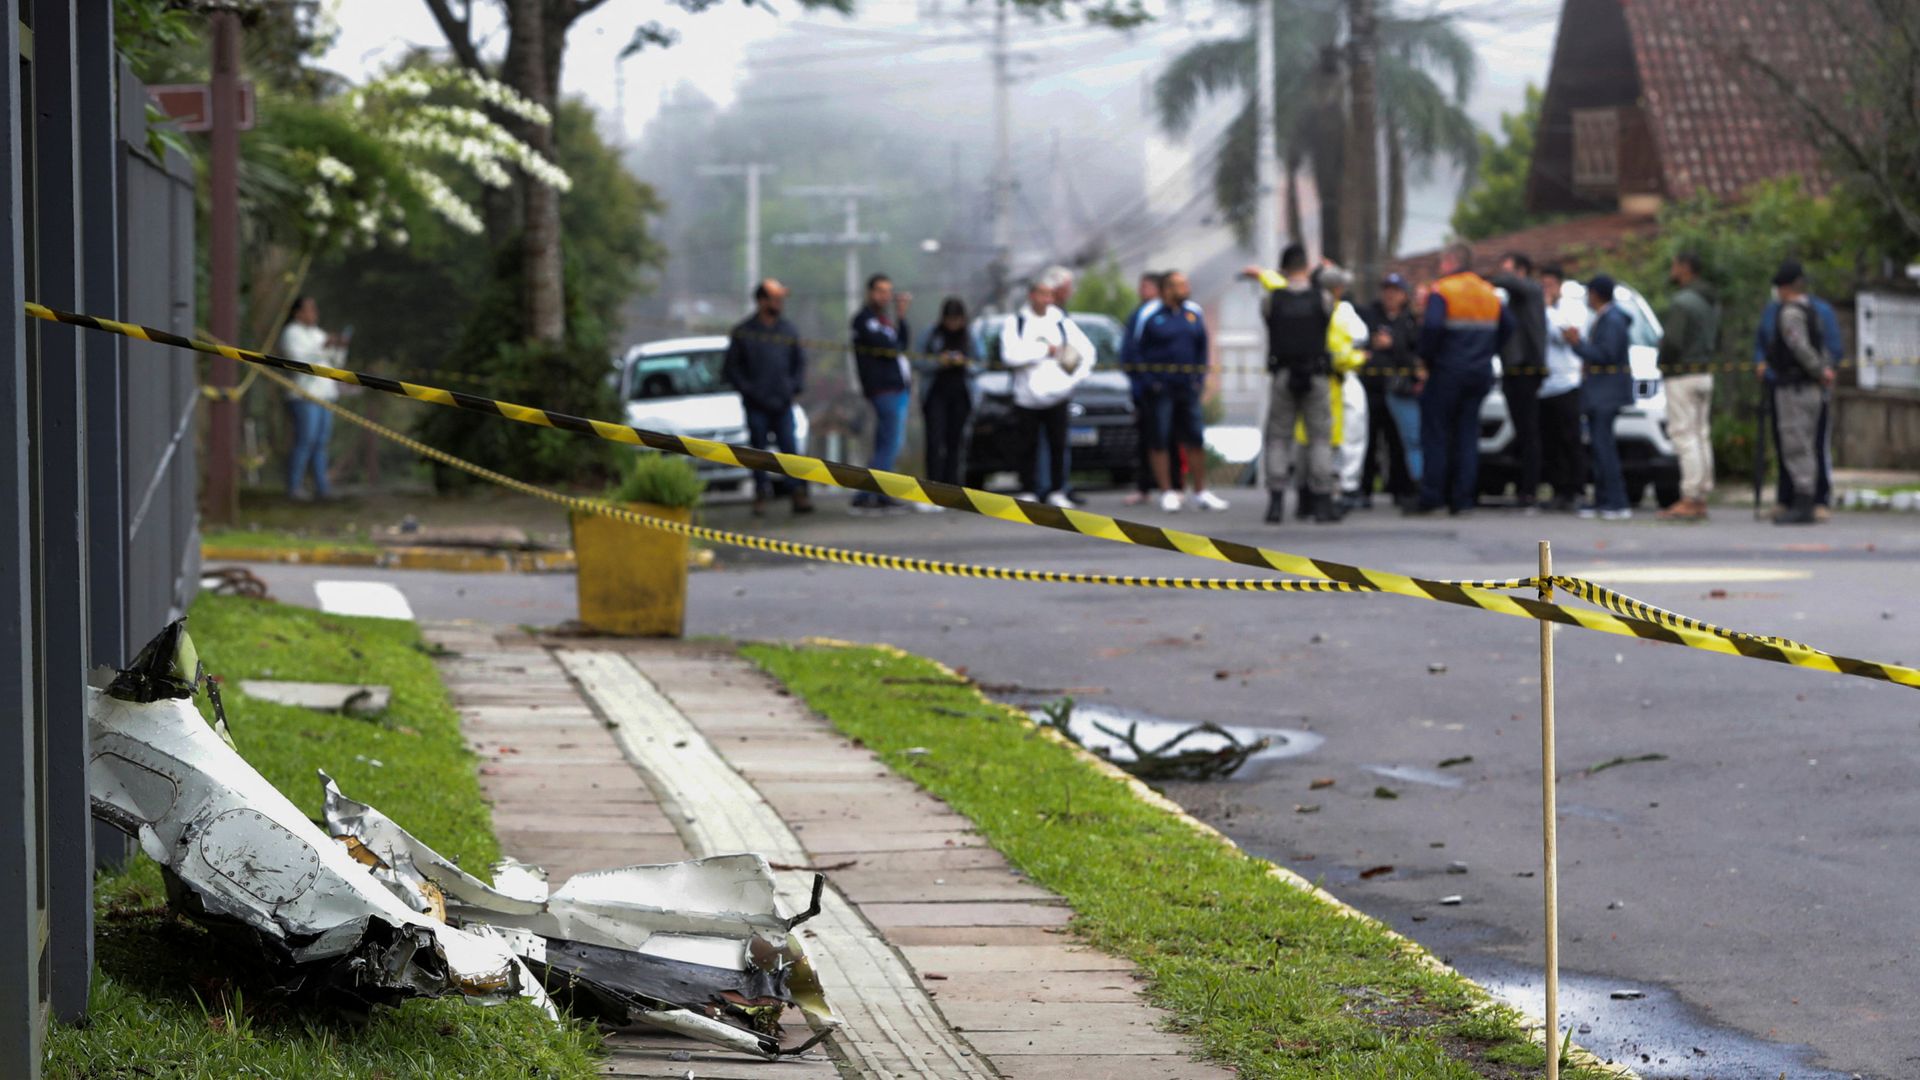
point(1607, 388)
point(1173, 355)
point(880, 341)
point(1831, 341)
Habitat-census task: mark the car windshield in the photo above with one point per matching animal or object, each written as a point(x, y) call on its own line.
point(1645, 328)
point(670, 375)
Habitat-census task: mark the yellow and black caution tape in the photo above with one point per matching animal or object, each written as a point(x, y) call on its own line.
point(1661, 627)
point(842, 556)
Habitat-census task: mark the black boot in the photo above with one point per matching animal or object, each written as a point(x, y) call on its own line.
point(1276, 507)
point(1800, 512)
point(1326, 509)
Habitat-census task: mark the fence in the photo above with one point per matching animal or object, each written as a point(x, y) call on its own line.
point(98, 544)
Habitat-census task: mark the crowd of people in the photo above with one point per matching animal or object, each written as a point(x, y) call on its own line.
point(1385, 396)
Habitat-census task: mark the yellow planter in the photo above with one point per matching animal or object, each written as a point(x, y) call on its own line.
point(632, 580)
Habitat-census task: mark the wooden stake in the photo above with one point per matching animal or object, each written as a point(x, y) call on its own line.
point(1549, 820)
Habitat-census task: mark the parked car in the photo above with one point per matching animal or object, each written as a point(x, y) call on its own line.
point(1646, 453)
point(1101, 436)
point(675, 386)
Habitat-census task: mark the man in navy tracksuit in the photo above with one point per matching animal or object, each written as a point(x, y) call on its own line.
point(880, 340)
point(1464, 326)
point(1173, 359)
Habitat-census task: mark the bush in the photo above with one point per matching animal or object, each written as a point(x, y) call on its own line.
point(660, 479)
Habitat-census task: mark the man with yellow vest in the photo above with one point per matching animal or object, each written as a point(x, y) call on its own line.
point(1464, 326)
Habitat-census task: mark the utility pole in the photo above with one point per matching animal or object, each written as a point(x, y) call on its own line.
point(1363, 152)
point(1001, 208)
point(1266, 211)
point(223, 233)
point(753, 171)
point(850, 238)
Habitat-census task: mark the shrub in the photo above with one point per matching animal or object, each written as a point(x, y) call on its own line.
point(660, 479)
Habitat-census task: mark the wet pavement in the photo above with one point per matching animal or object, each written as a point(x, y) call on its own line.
point(1762, 874)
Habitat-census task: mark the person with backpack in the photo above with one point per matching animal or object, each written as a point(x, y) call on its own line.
point(1797, 363)
point(1297, 315)
point(1835, 346)
point(1463, 326)
point(1048, 356)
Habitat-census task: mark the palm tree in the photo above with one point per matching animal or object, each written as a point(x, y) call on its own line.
point(1426, 70)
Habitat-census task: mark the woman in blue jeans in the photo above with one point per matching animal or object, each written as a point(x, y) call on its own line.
point(312, 422)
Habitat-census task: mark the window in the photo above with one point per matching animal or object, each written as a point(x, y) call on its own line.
point(1596, 148)
point(678, 375)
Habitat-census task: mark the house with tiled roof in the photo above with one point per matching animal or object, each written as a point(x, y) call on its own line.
point(1650, 101)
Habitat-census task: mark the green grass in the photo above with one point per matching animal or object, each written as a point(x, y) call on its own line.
point(283, 540)
point(1264, 977)
point(171, 1000)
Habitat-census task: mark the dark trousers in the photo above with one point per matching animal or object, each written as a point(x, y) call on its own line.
point(1031, 423)
point(1823, 477)
point(1450, 438)
point(1523, 408)
point(946, 416)
point(1563, 461)
point(1383, 436)
point(1609, 482)
point(774, 426)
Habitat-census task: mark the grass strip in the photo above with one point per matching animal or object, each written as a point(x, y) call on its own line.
point(283, 540)
point(1266, 977)
point(171, 1000)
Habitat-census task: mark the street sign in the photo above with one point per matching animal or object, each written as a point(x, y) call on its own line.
point(190, 105)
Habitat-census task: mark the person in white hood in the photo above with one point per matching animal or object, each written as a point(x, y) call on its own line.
point(1048, 356)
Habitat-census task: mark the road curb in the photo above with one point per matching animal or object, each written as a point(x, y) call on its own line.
point(1536, 1027)
point(455, 559)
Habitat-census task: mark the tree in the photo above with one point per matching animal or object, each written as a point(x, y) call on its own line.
point(1868, 124)
point(1424, 72)
point(1496, 200)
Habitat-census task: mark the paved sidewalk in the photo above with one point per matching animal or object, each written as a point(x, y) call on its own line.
point(944, 962)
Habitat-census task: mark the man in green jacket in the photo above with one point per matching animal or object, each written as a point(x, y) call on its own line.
point(1692, 327)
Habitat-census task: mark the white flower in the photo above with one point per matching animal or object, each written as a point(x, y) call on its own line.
point(333, 169)
point(397, 237)
point(444, 202)
point(319, 204)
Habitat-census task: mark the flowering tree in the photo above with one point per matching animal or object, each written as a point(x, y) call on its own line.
point(383, 161)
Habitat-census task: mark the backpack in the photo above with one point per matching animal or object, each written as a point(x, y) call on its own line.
point(1297, 321)
point(1786, 370)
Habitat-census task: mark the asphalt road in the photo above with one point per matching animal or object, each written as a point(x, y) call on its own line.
point(1756, 885)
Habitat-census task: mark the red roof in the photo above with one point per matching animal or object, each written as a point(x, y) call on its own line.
point(1718, 125)
point(1573, 243)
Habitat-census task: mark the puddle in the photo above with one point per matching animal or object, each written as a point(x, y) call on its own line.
point(1413, 774)
point(1657, 1035)
point(1153, 731)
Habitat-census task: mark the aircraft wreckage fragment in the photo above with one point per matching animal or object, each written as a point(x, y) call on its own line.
point(363, 913)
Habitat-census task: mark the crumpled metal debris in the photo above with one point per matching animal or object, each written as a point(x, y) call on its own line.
point(365, 913)
point(697, 947)
point(240, 858)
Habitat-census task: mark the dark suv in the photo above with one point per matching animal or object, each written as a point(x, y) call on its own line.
point(1101, 436)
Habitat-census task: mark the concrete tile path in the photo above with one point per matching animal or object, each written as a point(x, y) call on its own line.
point(944, 962)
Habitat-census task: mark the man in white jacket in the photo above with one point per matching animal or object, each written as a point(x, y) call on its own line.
point(1048, 356)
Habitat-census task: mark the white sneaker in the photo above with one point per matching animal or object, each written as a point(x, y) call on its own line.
point(1170, 502)
point(1616, 515)
point(1059, 499)
point(1025, 496)
point(927, 508)
point(1207, 500)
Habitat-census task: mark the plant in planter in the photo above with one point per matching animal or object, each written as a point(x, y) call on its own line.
point(632, 580)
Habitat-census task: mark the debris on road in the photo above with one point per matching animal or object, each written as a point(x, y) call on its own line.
point(1436, 669)
point(1452, 901)
point(1466, 759)
point(1372, 872)
point(1634, 760)
point(1166, 761)
point(1456, 868)
point(1627, 995)
point(1320, 782)
point(1384, 792)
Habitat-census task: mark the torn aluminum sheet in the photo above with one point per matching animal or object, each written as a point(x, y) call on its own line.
point(239, 857)
point(699, 947)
